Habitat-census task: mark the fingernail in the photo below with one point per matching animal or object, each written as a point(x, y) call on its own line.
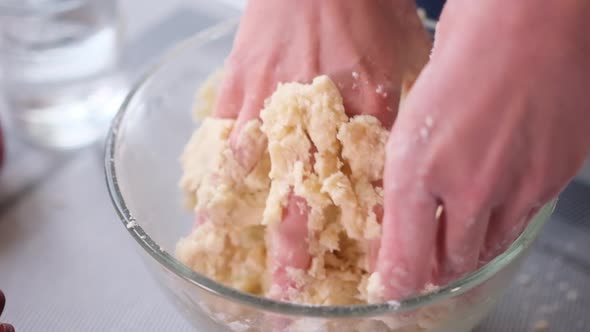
point(6, 328)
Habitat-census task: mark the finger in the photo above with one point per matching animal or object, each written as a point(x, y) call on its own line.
point(464, 236)
point(505, 226)
point(287, 247)
point(247, 148)
point(252, 104)
point(381, 101)
point(508, 221)
point(257, 91)
point(407, 259)
point(364, 95)
point(229, 99)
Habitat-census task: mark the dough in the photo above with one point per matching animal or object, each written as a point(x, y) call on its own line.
point(309, 147)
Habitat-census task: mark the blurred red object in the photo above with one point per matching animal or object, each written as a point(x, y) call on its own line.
point(4, 327)
point(1, 147)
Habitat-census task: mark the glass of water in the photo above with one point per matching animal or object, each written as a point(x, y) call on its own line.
point(58, 64)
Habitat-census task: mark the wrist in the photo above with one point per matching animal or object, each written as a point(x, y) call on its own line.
point(324, 6)
point(521, 35)
point(530, 15)
point(386, 6)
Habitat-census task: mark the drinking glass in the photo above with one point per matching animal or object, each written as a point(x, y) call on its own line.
point(58, 64)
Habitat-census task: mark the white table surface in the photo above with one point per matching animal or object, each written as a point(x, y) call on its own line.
point(67, 263)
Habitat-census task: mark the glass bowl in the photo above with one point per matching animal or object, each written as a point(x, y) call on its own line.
point(142, 173)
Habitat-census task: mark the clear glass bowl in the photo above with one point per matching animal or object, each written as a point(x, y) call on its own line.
point(142, 172)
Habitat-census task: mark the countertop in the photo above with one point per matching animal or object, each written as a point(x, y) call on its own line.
point(67, 263)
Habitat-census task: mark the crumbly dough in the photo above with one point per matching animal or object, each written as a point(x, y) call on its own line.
point(314, 150)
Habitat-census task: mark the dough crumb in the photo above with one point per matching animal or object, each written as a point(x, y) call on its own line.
point(439, 211)
point(524, 279)
point(572, 295)
point(238, 327)
point(207, 95)
point(424, 133)
point(308, 147)
point(131, 224)
point(548, 309)
point(375, 288)
point(541, 325)
point(380, 90)
point(429, 121)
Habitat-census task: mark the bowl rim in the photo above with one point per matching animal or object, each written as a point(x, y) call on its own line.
point(18, 8)
point(174, 266)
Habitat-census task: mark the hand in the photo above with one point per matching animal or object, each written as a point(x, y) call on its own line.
point(4, 327)
point(369, 48)
point(495, 126)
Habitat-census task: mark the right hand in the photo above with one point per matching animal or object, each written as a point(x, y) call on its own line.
point(494, 128)
point(371, 49)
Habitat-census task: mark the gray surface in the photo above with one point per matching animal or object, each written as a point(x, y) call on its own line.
point(554, 283)
point(66, 263)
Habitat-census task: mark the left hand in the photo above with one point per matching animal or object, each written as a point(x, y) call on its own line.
point(495, 126)
point(372, 50)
